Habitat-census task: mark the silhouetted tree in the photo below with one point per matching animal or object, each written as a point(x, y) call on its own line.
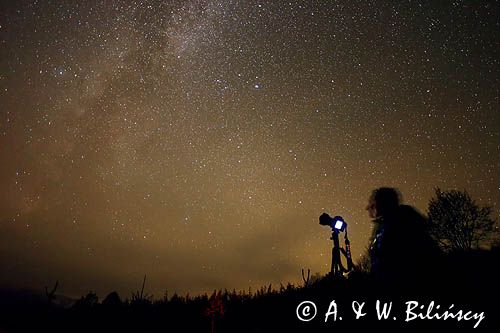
point(458, 222)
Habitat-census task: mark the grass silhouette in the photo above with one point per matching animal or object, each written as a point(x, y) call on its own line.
point(469, 280)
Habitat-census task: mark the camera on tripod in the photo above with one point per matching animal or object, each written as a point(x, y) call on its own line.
point(337, 223)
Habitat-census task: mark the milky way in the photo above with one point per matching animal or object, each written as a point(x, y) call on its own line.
point(199, 141)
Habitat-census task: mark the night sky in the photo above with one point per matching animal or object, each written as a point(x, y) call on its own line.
point(198, 142)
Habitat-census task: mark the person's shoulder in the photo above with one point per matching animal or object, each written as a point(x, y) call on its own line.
point(408, 211)
point(411, 220)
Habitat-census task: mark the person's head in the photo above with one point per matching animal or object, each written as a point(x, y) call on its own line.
point(383, 201)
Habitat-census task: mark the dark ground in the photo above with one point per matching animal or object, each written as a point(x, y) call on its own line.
point(469, 281)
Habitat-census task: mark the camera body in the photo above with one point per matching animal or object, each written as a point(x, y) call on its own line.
point(337, 223)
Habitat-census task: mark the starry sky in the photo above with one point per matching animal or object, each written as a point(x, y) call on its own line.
point(198, 141)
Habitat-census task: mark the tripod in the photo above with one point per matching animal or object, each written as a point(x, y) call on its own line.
point(337, 269)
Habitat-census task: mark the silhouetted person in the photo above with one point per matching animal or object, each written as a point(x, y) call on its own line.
point(401, 250)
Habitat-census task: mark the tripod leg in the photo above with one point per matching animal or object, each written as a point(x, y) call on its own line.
point(332, 268)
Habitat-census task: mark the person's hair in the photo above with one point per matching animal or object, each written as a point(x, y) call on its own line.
point(387, 200)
